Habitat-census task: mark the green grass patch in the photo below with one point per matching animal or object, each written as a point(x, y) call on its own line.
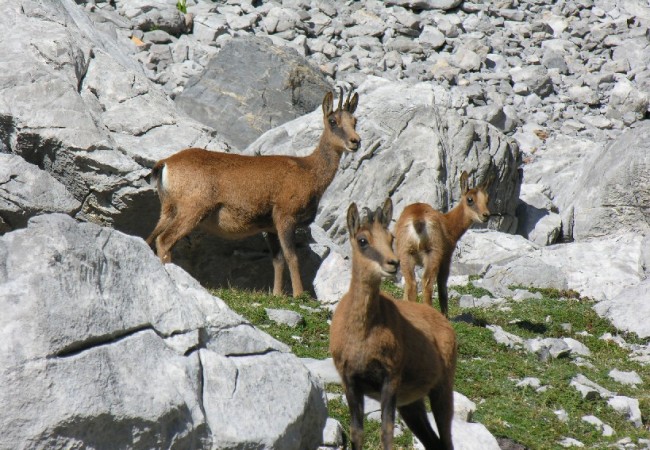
point(488, 372)
point(308, 340)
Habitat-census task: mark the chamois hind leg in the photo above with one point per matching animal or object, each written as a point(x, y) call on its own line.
point(354, 396)
point(180, 226)
point(166, 216)
point(287, 237)
point(442, 406)
point(443, 276)
point(431, 267)
point(278, 262)
point(415, 417)
point(407, 264)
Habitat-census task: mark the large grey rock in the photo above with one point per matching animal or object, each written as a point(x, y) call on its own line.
point(629, 309)
point(598, 187)
point(251, 86)
point(579, 266)
point(26, 191)
point(478, 249)
point(529, 270)
point(537, 216)
point(613, 189)
point(412, 150)
point(90, 310)
point(74, 103)
point(332, 279)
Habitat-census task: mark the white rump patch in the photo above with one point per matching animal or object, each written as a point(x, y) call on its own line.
point(164, 178)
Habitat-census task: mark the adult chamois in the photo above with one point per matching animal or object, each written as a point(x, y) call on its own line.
point(236, 196)
point(394, 351)
point(426, 237)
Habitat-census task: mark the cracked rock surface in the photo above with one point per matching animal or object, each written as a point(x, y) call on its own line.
point(157, 360)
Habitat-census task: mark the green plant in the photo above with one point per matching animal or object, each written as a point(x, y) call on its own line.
point(181, 5)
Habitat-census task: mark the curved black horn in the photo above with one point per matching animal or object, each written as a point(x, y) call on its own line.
point(340, 98)
point(369, 215)
point(347, 101)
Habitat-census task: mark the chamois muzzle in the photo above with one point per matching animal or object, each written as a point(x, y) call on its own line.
point(390, 268)
point(353, 144)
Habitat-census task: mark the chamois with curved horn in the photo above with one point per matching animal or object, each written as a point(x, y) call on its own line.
point(236, 196)
point(394, 351)
point(426, 237)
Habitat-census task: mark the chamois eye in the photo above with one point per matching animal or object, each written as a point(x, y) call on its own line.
point(363, 242)
point(332, 122)
point(470, 201)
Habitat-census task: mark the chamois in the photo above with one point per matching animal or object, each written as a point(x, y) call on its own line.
point(426, 237)
point(394, 351)
point(236, 196)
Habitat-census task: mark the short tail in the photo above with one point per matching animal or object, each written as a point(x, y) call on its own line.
point(156, 175)
point(419, 226)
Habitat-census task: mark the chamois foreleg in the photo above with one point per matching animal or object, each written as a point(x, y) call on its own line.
point(278, 262)
point(443, 297)
point(287, 237)
point(354, 396)
point(388, 402)
point(407, 265)
point(442, 406)
point(415, 417)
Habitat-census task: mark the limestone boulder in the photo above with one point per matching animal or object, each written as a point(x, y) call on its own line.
point(26, 191)
point(74, 103)
point(613, 194)
point(538, 219)
point(600, 268)
point(629, 309)
point(251, 86)
point(598, 188)
point(102, 346)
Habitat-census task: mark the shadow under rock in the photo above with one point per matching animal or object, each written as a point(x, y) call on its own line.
point(527, 325)
point(470, 319)
point(242, 264)
point(509, 444)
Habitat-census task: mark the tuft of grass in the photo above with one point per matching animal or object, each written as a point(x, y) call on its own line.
point(487, 372)
point(181, 5)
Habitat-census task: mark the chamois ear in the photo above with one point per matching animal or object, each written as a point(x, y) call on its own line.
point(353, 219)
point(463, 183)
point(328, 101)
point(387, 213)
point(352, 104)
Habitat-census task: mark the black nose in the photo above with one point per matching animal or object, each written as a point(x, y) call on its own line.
point(486, 215)
point(394, 262)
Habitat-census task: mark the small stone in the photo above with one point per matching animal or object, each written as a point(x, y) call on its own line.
point(285, 317)
point(627, 378)
point(629, 407)
point(562, 415)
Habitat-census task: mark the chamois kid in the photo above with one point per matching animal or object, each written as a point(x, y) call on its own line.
point(394, 351)
point(236, 196)
point(426, 237)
